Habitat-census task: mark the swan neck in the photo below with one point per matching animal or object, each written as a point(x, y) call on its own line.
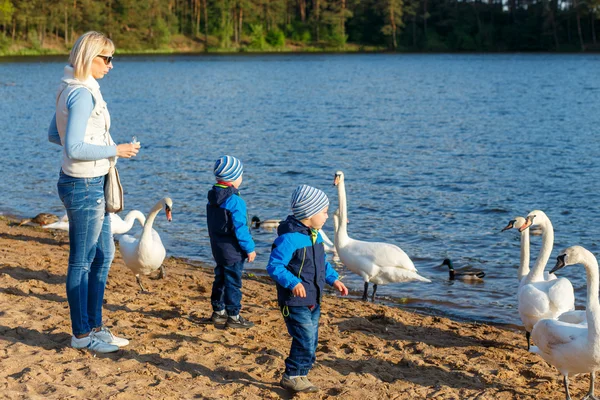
point(341, 236)
point(150, 220)
point(592, 306)
point(524, 262)
point(537, 273)
point(132, 216)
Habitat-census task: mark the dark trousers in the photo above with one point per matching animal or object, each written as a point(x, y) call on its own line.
point(303, 326)
point(227, 288)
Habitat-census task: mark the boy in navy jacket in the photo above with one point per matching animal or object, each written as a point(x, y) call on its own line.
point(230, 242)
point(299, 267)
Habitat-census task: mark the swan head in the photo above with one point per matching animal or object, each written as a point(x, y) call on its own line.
point(528, 222)
point(515, 223)
point(536, 217)
point(570, 256)
point(168, 208)
point(338, 178)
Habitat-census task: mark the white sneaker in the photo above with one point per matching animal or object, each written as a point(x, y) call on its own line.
point(91, 343)
point(107, 336)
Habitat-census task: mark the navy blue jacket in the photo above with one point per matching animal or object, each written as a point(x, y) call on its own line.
point(227, 222)
point(298, 256)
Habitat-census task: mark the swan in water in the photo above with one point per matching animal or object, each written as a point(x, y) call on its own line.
point(145, 253)
point(539, 298)
point(572, 348)
point(523, 270)
point(62, 224)
point(379, 263)
point(465, 273)
point(119, 226)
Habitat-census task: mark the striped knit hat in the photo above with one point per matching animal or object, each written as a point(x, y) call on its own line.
point(308, 201)
point(228, 169)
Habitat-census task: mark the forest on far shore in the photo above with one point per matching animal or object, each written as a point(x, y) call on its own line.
point(51, 26)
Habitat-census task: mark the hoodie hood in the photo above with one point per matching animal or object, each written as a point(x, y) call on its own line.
point(291, 224)
point(69, 79)
point(217, 195)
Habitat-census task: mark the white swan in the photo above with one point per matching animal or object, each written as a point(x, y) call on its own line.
point(118, 226)
point(379, 263)
point(573, 349)
point(146, 253)
point(523, 270)
point(327, 243)
point(62, 224)
point(538, 298)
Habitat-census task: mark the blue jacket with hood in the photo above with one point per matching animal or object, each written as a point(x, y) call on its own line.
point(298, 256)
point(227, 222)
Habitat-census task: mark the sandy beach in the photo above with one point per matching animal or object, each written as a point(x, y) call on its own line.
point(366, 351)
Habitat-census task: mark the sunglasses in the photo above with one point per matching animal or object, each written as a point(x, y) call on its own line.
point(107, 59)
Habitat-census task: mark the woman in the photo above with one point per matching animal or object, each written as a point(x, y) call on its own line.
point(81, 126)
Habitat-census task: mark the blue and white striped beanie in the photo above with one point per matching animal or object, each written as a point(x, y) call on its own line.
point(308, 201)
point(228, 169)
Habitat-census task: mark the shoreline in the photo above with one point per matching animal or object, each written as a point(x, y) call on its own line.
point(24, 55)
point(365, 351)
point(260, 275)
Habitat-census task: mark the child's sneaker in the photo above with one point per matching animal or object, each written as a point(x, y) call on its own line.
point(298, 384)
point(93, 344)
point(237, 321)
point(218, 318)
point(107, 336)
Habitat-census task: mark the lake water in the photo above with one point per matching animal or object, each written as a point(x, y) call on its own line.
point(439, 153)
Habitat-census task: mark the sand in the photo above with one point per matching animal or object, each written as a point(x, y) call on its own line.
point(366, 350)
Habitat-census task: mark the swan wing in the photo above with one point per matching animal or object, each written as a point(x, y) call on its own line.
point(358, 264)
point(151, 253)
point(534, 304)
point(562, 298)
point(550, 334)
point(128, 246)
point(389, 275)
point(573, 317)
point(382, 254)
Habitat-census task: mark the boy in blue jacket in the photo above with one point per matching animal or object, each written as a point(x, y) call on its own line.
point(230, 242)
point(299, 267)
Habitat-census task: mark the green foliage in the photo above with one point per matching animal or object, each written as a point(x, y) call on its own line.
point(257, 37)
point(275, 38)
point(6, 11)
point(4, 43)
point(161, 36)
point(298, 32)
point(231, 25)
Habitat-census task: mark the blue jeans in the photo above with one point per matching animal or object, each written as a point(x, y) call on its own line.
point(303, 326)
point(227, 288)
point(91, 249)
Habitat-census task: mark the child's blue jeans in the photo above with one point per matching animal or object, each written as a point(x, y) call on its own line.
point(303, 326)
point(91, 249)
point(227, 288)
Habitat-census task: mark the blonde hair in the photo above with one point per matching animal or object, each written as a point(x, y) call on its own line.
point(86, 48)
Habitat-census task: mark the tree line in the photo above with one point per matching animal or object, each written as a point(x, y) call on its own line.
point(238, 25)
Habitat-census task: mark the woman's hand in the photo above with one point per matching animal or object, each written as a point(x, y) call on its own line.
point(127, 150)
